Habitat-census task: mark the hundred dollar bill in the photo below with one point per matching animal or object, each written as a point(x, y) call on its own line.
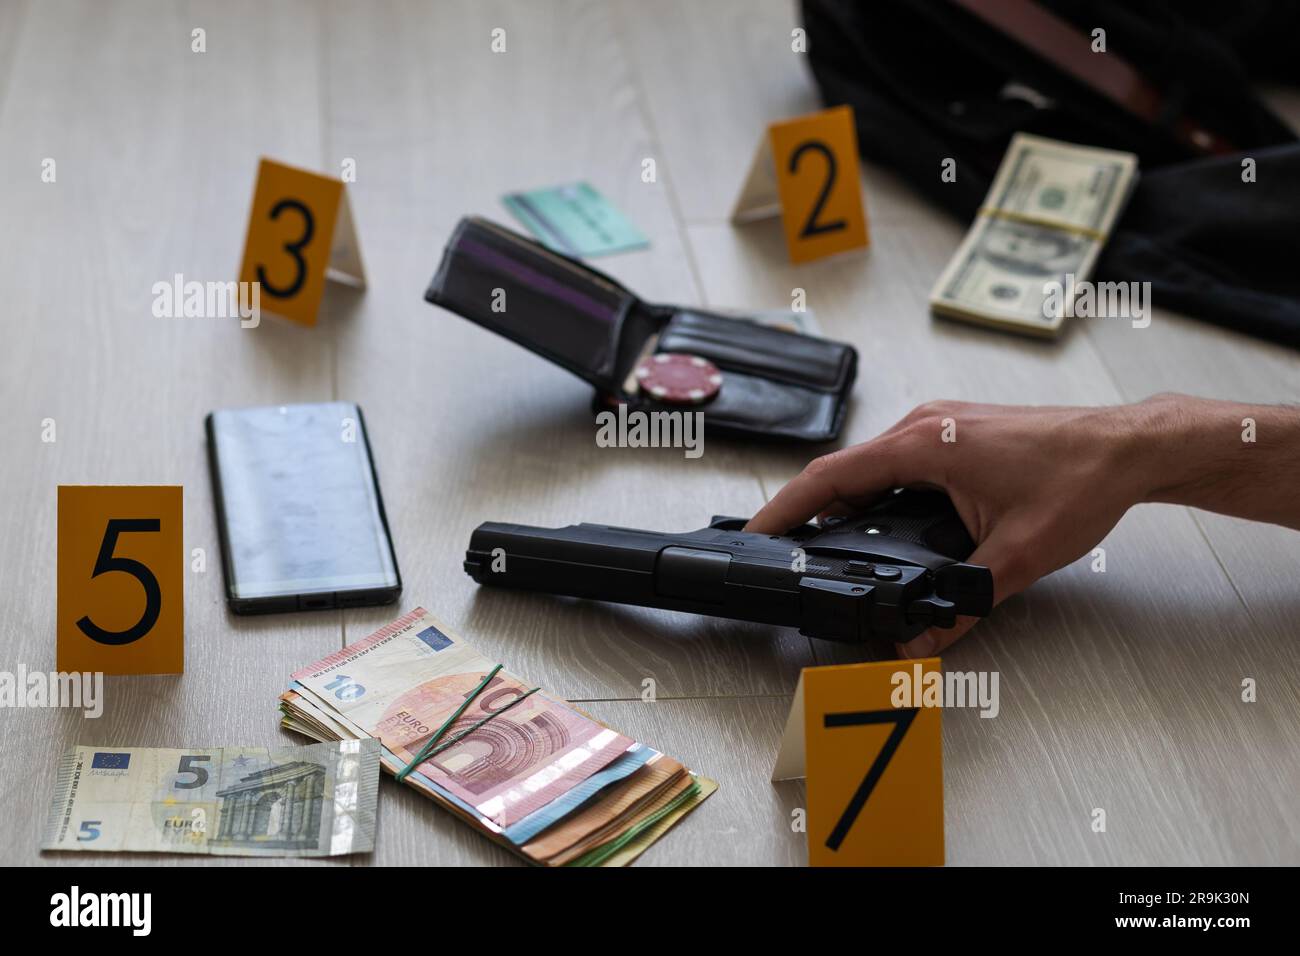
point(1045, 219)
point(401, 684)
point(317, 800)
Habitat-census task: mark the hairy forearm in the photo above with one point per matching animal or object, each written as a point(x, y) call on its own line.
point(1228, 457)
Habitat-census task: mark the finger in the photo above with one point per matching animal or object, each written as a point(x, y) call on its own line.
point(847, 475)
point(936, 639)
point(1006, 556)
point(827, 480)
point(838, 509)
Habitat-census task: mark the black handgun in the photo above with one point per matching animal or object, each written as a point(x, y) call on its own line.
point(883, 575)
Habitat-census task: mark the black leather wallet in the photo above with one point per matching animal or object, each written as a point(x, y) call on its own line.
point(774, 383)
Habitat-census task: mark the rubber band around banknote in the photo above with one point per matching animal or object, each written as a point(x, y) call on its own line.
point(993, 212)
point(452, 741)
point(432, 747)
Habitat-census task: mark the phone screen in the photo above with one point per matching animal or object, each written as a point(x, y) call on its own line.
point(302, 519)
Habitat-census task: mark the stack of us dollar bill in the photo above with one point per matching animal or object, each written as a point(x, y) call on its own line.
point(1037, 237)
point(223, 801)
point(529, 770)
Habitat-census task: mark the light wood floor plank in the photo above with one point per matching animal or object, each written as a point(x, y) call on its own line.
point(468, 427)
point(1119, 691)
point(156, 148)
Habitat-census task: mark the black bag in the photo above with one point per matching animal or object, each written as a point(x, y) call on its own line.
point(935, 79)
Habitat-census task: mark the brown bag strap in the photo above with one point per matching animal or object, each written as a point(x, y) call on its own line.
point(1059, 42)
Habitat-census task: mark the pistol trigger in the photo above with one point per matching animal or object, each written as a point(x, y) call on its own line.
point(932, 612)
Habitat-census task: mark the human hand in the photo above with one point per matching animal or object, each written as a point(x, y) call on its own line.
point(1037, 487)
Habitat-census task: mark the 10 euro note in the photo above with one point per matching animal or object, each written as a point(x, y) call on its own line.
point(402, 683)
point(317, 800)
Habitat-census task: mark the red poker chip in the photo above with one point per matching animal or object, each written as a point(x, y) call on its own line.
point(676, 378)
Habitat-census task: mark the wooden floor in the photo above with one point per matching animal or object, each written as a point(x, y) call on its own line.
point(1119, 690)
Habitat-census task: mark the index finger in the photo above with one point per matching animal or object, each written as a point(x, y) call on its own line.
point(851, 473)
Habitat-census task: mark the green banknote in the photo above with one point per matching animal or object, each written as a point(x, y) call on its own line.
point(1037, 237)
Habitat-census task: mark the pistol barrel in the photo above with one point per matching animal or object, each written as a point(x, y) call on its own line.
point(627, 566)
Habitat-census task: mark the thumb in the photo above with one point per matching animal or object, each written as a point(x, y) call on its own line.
point(1005, 558)
point(936, 639)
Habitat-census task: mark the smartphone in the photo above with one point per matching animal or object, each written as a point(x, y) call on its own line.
point(301, 519)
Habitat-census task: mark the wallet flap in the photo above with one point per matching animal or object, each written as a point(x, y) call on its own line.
point(545, 301)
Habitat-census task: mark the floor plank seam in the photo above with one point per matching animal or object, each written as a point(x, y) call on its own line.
point(1200, 529)
point(323, 66)
point(12, 57)
point(664, 700)
point(647, 117)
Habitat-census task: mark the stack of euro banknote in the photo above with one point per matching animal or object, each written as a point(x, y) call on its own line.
point(529, 770)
